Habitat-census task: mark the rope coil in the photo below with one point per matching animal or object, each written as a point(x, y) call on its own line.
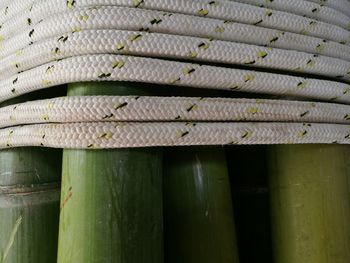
point(105, 40)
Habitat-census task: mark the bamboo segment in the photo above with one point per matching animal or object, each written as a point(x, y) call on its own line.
point(29, 166)
point(199, 225)
point(310, 203)
point(111, 200)
point(29, 226)
point(29, 205)
point(29, 200)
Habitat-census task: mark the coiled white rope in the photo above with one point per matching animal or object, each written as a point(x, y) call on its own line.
point(126, 68)
point(316, 11)
point(148, 108)
point(102, 40)
point(340, 5)
point(107, 67)
point(171, 46)
point(120, 18)
point(99, 135)
point(219, 9)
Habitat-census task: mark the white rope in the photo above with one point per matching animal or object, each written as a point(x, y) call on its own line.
point(340, 5)
point(304, 8)
point(134, 19)
point(318, 10)
point(107, 67)
point(120, 135)
point(171, 46)
point(141, 108)
point(219, 9)
point(102, 40)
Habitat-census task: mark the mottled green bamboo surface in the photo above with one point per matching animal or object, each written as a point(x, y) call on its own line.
point(30, 166)
point(310, 203)
point(29, 226)
point(199, 225)
point(111, 200)
point(29, 200)
point(29, 205)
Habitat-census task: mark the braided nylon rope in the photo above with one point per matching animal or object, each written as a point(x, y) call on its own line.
point(229, 11)
point(161, 45)
point(183, 25)
point(131, 108)
point(316, 11)
point(340, 5)
point(46, 43)
point(126, 68)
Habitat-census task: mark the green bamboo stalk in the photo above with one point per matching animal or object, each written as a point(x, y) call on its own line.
point(111, 200)
point(29, 226)
point(199, 225)
point(310, 203)
point(29, 166)
point(29, 205)
point(29, 201)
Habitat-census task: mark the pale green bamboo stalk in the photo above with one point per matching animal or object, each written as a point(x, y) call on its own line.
point(111, 201)
point(310, 203)
point(199, 225)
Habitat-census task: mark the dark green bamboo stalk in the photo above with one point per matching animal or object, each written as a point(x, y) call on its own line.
point(29, 205)
point(111, 201)
point(310, 203)
point(29, 201)
point(29, 226)
point(199, 225)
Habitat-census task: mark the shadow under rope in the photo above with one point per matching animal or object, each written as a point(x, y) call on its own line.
point(251, 202)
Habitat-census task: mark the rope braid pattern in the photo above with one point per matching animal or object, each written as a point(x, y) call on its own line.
point(137, 40)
